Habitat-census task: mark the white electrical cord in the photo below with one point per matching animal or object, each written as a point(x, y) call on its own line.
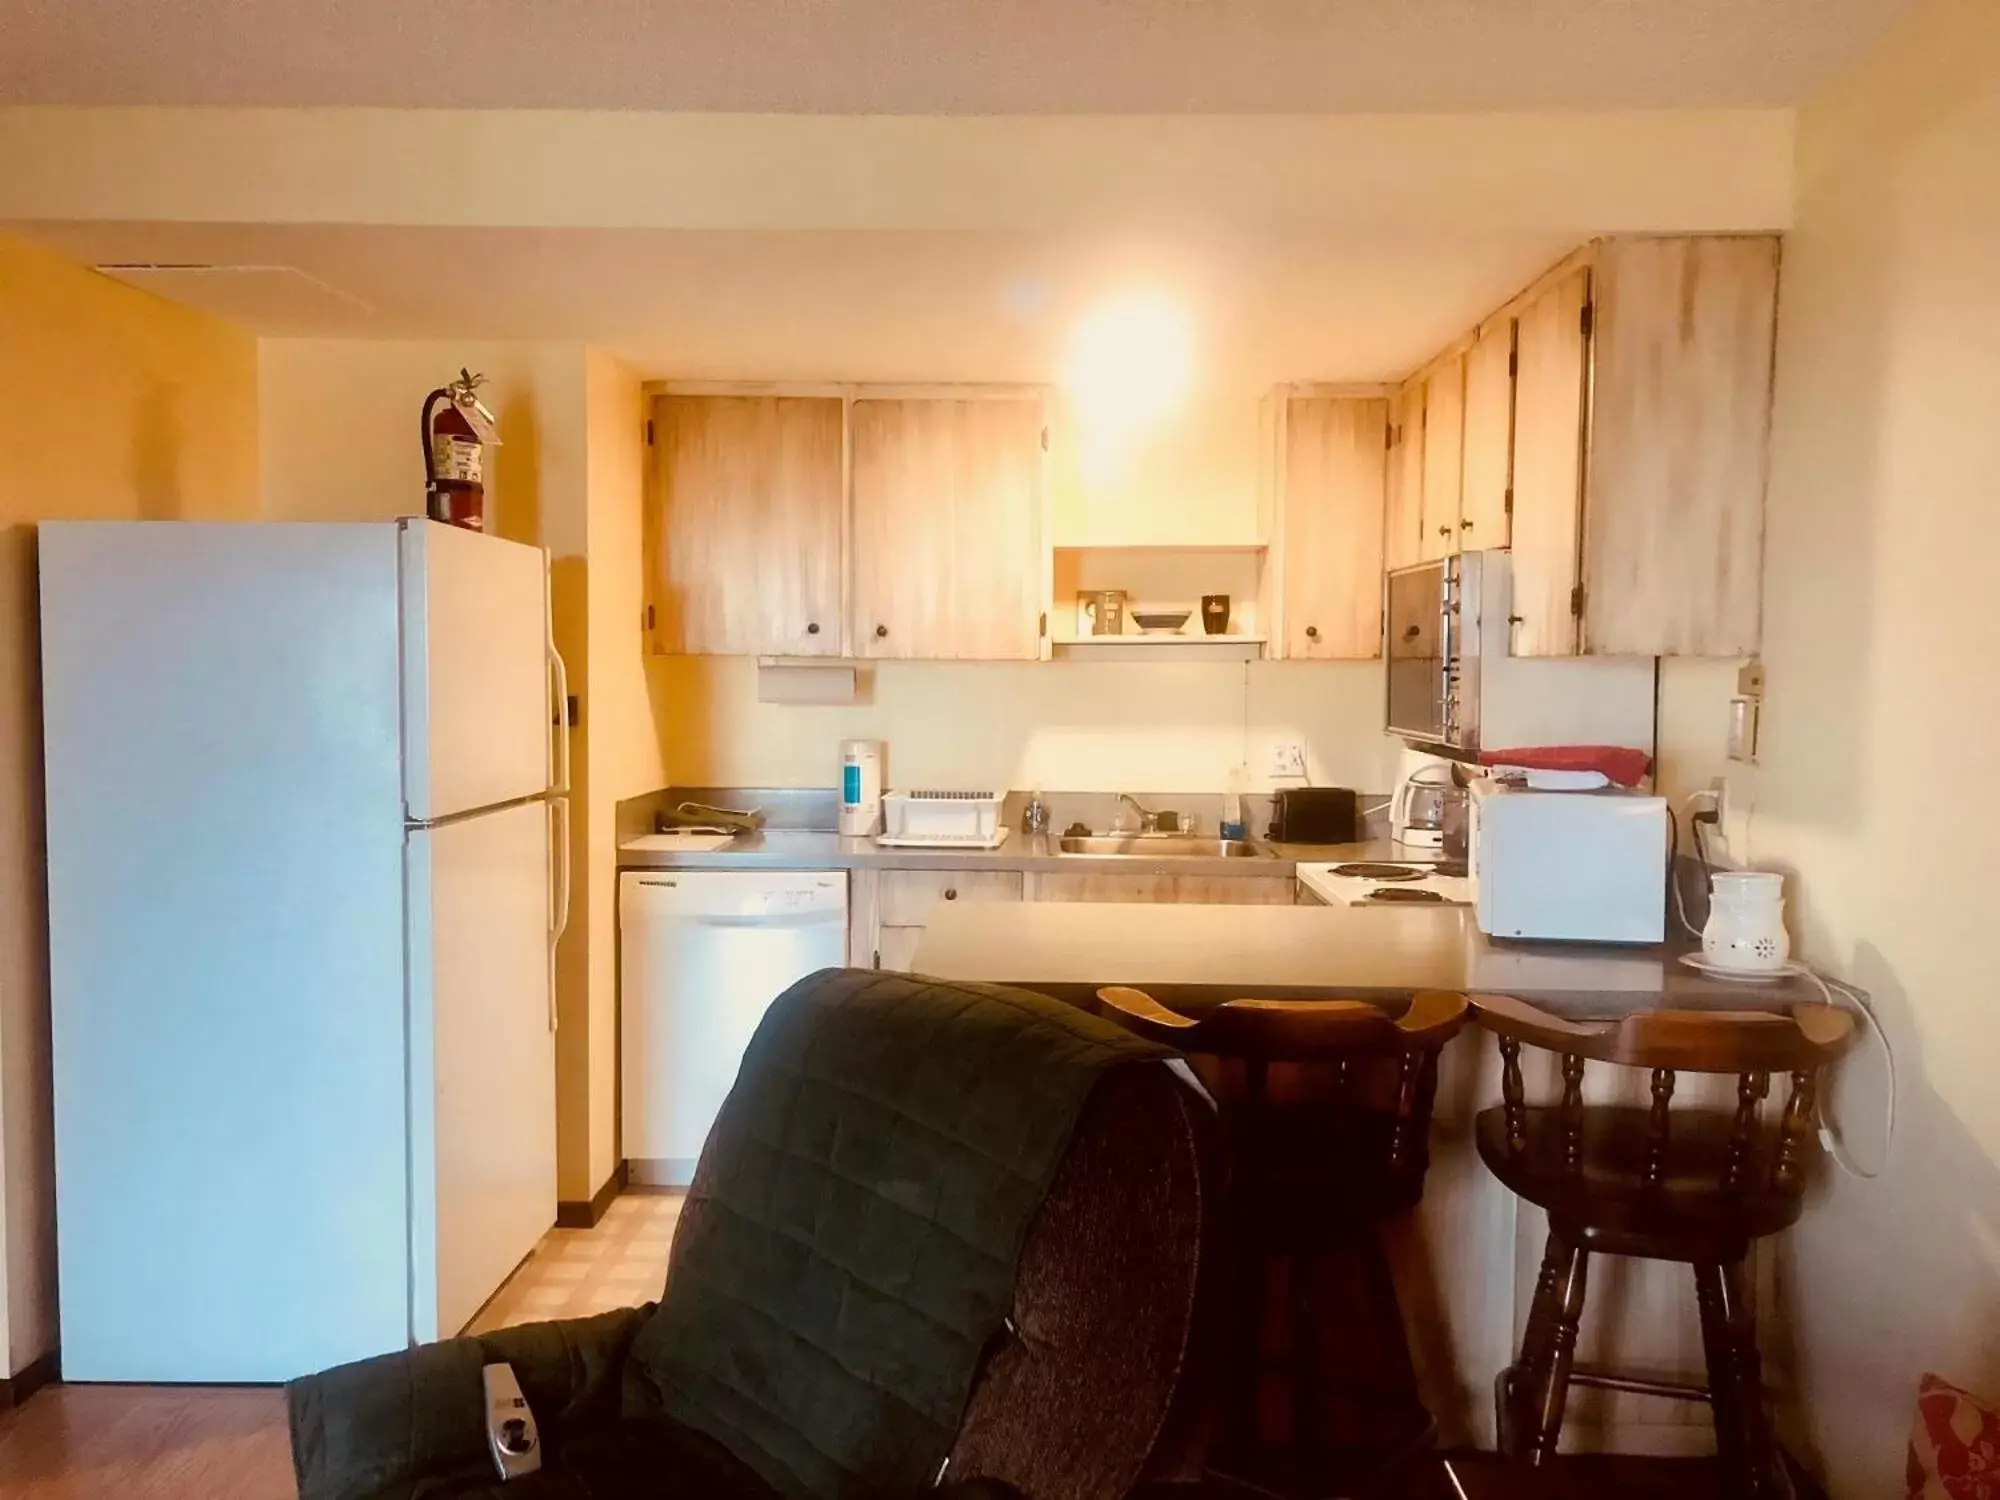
point(1829, 1133)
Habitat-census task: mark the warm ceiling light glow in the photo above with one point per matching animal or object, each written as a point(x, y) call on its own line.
point(1131, 361)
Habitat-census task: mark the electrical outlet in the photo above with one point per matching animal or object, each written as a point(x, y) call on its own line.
point(1288, 758)
point(1719, 785)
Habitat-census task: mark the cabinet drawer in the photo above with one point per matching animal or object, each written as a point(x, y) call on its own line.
point(1202, 890)
point(908, 897)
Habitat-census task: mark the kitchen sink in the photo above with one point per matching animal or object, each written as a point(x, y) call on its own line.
point(1160, 846)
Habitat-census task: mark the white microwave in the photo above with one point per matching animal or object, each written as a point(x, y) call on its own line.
point(1588, 867)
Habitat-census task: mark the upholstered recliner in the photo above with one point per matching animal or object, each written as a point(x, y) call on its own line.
point(1088, 1388)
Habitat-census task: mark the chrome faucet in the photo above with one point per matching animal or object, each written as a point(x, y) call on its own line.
point(1149, 822)
point(1166, 821)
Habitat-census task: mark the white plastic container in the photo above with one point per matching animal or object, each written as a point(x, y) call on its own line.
point(950, 819)
point(860, 788)
point(1746, 922)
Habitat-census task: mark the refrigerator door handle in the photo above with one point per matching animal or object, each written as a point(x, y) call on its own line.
point(559, 916)
point(559, 672)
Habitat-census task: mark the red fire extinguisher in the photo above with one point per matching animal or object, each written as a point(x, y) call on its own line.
point(457, 426)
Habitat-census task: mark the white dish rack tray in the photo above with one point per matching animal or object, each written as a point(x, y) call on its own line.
point(942, 820)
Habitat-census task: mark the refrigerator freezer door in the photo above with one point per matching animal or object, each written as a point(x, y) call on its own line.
point(225, 862)
point(477, 718)
point(482, 1058)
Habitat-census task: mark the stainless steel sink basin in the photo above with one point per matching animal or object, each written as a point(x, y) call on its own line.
point(1160, 846)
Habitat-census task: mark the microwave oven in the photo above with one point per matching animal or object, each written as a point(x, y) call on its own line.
point(1455, 688)
point(1569, 866)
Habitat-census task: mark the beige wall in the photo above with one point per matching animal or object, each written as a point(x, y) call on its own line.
point(120, 406)
point(1881, 643)
point(624, 743)
point(1057, 726)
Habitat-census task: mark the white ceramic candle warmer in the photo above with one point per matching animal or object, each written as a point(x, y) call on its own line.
point(1746, 922)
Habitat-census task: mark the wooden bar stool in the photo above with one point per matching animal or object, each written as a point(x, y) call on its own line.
point(1659, 1183)
point(1326, 1106)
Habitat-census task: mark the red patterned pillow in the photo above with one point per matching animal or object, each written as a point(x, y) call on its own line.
point(1954, 1445)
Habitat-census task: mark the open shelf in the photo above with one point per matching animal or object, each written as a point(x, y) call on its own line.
point(1194, 646)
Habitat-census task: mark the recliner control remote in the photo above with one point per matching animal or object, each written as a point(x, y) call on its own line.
point(511, 1434)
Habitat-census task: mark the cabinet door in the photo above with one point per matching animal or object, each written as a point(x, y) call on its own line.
point(1680, 445)
point(947, 500)
point(1489, 439)
point(1444, 455)
point(747, 540)
point(1336, 459)
point(1551, 358)
point(1402, 532)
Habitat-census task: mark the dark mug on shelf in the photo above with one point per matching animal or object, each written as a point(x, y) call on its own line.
point(1215, 614)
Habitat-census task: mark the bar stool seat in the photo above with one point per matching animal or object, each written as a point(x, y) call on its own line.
point(1326, 1110)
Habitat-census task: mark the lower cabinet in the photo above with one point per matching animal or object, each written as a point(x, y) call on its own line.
point(889, 909)
point(1204, 890)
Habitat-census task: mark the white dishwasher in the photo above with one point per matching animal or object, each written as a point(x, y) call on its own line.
point(704, 955)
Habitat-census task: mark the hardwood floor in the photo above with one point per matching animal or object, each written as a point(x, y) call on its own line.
point(92, 1442)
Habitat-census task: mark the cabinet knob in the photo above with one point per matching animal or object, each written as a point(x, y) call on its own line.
point(951, 893)
point(1444, 531)
point(812, 628)
point(881, 630)
point(1312, 632)
point(1465, 525)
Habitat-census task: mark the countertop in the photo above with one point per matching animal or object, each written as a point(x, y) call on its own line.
point(801, 849)
point(1193, 955)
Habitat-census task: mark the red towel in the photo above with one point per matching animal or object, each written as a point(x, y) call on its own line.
point(1626, 767)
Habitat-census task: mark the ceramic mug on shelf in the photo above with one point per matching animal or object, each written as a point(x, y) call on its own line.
point(1100, 612)
point(1215, 614)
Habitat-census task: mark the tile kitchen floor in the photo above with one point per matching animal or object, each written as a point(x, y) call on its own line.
point(575, 1272)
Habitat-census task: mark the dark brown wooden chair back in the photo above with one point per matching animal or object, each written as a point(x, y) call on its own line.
point(1750, 1044)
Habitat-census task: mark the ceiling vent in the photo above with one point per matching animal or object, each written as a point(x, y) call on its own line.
point(265, 299)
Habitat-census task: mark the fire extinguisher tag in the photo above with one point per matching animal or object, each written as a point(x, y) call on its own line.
point(456, 459)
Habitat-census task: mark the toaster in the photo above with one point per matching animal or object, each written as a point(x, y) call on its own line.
point(1316, 815)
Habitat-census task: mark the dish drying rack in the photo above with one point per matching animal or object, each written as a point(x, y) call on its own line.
point(942, 820)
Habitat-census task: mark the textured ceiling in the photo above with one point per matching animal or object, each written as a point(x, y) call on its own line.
point(936, 56)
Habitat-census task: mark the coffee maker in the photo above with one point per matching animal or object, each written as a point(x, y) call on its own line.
point(1428, 807)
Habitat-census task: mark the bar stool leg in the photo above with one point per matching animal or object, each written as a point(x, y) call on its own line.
point(1515, 1420)
point(1545, 1397)
point(1746, 1452)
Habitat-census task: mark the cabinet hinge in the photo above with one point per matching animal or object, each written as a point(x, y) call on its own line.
point(1045, 440)
point(1042, 626)
point(1508, 505)
point(1513, 363)
point(1587, 320)
point(1388, 438)
point(649, 617)
point(1576, 601)
point(649, 432)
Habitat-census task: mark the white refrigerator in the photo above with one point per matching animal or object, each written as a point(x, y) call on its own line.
point(307, 867)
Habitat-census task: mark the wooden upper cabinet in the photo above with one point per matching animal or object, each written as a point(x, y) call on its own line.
point(1336, 464)
point(946, 540)
point(1489, 438)
point(1444, 456)
point(1552, 365)
point(1680, 445)
point(746, 540)
point(1402, 533)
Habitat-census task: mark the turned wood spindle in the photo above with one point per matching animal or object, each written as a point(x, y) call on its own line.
point(1514, 1095)
point(1798, 1129)
point(1750, 1091)
point(1572, 1112)
point(1659, 1126)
